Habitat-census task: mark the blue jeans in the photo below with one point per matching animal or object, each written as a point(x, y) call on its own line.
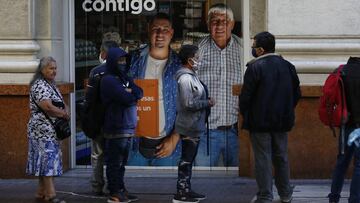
point(223, 143)
point(342, 164)
point(117, 151)
point(136, 159)
point(270, 149)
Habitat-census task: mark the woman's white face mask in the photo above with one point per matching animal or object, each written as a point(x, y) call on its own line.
point(195, 64)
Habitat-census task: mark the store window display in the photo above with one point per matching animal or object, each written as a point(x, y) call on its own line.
point(90, 26)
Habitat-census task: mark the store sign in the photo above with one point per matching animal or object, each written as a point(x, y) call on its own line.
point(134, 6)
point(148, 109)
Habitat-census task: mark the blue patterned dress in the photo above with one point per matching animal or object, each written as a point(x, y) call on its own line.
point(44, 155)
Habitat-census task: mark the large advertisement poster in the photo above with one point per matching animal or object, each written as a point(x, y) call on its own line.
point(148, 109)
point(130, 24)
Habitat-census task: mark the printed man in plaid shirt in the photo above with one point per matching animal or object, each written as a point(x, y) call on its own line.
point(220, 69)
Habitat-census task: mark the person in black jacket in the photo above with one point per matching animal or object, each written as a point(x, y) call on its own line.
point(268, 98)
point(98, 142)
point(351, 78)
point(119, 95)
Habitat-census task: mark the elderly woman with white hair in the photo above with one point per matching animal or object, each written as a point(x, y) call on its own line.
point(44, 155)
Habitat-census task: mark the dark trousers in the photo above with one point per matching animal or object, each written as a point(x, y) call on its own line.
point(271, 149)
point(189, 150)
point(117, 151)
point(342, 164)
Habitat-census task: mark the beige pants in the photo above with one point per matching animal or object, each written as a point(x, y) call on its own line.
point(97, 163)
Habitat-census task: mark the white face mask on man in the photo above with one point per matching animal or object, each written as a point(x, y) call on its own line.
point(101, 60)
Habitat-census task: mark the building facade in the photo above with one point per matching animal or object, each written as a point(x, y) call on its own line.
point(316, 36)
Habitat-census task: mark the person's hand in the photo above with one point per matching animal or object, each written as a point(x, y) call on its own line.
point(211, 102)
point(66, 115)
point(167, 146)
point(354, 137)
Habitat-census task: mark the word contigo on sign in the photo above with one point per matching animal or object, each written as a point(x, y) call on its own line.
point(135, 6)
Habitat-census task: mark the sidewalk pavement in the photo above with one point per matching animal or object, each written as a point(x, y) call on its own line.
point(312, 191)
point(158, 186)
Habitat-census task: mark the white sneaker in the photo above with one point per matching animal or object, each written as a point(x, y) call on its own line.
point(286, 200)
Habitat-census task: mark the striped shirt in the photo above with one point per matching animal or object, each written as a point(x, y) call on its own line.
point(220, 69)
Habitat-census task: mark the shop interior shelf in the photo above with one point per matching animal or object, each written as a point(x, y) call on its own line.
point(87, 63)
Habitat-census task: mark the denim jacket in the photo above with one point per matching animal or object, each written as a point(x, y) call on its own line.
point(137, 71)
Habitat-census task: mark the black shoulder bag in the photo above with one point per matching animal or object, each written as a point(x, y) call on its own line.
point(61, 125)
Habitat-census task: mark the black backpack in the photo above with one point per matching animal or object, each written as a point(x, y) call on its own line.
point(93, 113)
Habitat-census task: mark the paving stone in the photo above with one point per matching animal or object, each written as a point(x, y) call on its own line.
point(312, 193)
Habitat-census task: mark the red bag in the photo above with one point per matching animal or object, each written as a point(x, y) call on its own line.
point(333, 110)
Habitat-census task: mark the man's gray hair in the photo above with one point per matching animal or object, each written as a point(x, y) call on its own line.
point(221, 8)
point(106, 45)
point(44, 62)
point(112, 36)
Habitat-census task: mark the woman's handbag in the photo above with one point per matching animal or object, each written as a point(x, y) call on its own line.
point(62, 126)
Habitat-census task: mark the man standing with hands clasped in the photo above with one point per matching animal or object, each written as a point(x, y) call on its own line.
point(268, 98)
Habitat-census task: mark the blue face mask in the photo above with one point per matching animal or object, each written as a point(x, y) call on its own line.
point(253, 52)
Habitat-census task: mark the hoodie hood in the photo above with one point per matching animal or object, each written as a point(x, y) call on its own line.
point(183, 71)
point(113, 55)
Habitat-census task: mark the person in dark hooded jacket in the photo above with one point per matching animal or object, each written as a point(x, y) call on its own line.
point(98, 142)
point(119, 95)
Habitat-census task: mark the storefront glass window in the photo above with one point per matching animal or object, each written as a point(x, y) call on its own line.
point(128, 23)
